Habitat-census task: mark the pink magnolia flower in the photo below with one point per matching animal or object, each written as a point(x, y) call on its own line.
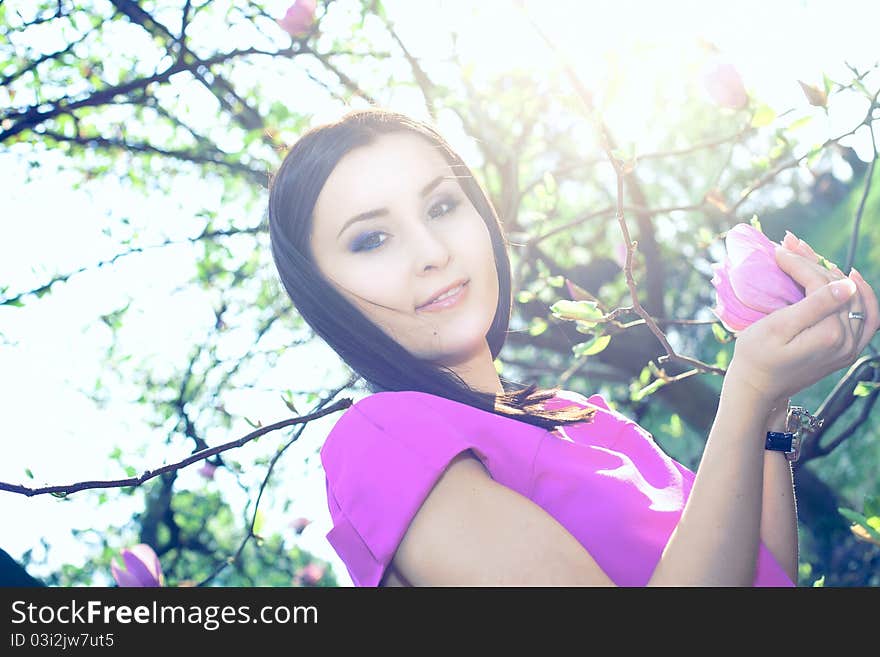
point(310, 574)
point(724, 84)
point(299, 18)
point(207, 470)
point(142, 567)
point(299, 524)
point(749, 284)
point(620, 251)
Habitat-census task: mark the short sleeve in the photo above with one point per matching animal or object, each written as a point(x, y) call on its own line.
point(381, 460)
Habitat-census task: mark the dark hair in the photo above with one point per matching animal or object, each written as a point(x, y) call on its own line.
point(382, 362)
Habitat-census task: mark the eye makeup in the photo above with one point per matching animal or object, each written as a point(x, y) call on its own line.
point(365, 241)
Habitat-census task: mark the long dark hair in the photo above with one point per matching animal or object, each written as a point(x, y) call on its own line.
point(382, 362)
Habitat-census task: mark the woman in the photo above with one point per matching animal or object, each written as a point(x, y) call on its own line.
point(392, 253)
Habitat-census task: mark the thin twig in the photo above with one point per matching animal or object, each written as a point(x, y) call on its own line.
point(250, 534)
point(66, 489)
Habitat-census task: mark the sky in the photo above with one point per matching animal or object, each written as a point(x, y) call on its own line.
point(51, 350)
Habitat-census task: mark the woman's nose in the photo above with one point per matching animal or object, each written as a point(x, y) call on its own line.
point(429, 249)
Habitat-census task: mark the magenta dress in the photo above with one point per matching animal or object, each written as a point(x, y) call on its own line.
point(606, 481)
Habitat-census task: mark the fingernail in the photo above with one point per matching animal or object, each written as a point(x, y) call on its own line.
point(855, 271)
point(789, 241)
point(843, 288)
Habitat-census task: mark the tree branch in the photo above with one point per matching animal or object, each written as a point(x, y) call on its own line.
point(65, 489)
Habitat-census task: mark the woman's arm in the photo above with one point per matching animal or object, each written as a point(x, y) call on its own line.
point(716, 540)
point(779, 525)
point(473, 531)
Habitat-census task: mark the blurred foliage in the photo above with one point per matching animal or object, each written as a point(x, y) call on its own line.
point(151, 96)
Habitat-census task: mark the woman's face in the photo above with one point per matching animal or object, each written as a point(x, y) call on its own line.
point(421, 234)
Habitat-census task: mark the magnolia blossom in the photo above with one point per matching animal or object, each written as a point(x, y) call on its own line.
point(299, 524)
point(142, 567)
point(724, 84)
point(207, 470)
point(749, 284)
point(310, 574)
point(299, 18)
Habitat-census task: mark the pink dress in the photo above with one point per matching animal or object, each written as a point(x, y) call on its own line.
point(606, 481)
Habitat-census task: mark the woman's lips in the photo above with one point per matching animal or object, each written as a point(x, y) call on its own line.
point(448, 302)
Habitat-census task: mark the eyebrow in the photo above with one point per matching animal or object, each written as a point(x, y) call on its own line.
point(381, 212)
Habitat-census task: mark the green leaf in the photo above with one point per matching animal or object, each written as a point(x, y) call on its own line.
point(705, 236)
point(872, 505)
point(853, 516)
point(865, 388)
point(537, 326)
point(675, 427)
point(591, 347)
point(720, 333)
point(805, 570)
point(868, 524)
point(524, 296)
point(255, 425)
point(573, 310)
point(645, 375)
point(637, 394)
point(130, 471)
point(29, 473)
point(583, 326)
point(756, 223)
point(764, 116)
point(259, 520)
point(819, 583)
point(556, 281)
point(287, 398)
point(800, 123)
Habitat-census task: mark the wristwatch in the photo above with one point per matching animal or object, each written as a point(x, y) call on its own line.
point(789, 441)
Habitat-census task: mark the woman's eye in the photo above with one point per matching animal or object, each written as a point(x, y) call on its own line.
point(448, 204)
point(367, 243)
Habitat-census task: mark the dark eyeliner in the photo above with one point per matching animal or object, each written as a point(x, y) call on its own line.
point(358, 244)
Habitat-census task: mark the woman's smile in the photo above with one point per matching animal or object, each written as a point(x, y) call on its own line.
point(450, 299)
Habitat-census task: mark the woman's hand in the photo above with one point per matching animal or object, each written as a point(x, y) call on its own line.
point(794, 347)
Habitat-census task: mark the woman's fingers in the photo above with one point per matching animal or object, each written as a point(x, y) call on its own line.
point(806, 273)
point(821, 276)
point(801, 324)
point(800, 246)
point(871, 309)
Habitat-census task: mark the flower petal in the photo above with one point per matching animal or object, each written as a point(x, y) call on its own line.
point(743, 239)
point(143, 564)
point(735, 315)
point(760, 284)
point(122, 576)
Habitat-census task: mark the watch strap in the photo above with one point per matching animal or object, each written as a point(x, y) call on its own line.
point(780, 441)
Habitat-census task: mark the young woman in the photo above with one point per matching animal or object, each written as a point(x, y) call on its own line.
point(449, 475)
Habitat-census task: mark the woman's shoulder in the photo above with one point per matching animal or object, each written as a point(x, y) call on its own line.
point(393, 419)
point(394, 406)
